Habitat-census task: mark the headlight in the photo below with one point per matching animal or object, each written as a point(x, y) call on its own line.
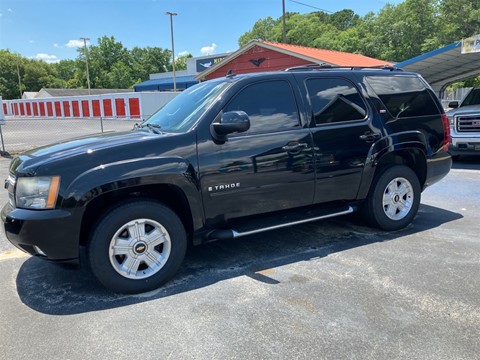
point(37, 192)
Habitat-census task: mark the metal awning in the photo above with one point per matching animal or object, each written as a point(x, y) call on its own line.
point(444, 66)
point(182, 82)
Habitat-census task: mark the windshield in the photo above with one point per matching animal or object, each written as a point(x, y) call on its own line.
point(184, 110)
point(473, 98)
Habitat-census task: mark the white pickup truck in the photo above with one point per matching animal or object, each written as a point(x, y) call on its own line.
point(465, 125)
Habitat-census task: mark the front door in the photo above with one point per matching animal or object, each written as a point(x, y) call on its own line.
point(267, 168)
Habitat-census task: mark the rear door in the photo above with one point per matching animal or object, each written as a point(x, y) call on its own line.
point(342, 135)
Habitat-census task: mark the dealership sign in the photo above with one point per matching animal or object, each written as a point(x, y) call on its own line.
point(471, 45)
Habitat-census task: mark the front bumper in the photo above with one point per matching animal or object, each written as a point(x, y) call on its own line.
point(51, 234)
point(464, 146)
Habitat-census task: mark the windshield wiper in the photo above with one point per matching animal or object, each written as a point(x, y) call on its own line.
point(153, 127)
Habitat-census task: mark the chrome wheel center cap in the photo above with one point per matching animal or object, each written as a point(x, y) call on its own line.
point(140, 248)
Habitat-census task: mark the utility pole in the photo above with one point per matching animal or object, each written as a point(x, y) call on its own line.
point(19, 80)
point(172, 14)
point(284, 35)
point(86, 61)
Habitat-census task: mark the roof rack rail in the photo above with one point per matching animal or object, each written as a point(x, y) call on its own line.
point(230, 74)
point(310, 67)
point(325, 66)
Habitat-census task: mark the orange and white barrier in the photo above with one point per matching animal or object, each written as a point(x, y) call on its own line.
point(122, 106)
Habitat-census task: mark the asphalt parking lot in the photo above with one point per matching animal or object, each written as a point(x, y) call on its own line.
point(327, 290)
point(19, 134)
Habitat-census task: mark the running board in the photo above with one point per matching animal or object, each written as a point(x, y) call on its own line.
point(229, 234)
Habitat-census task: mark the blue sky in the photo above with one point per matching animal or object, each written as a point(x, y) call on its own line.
point(51, 29)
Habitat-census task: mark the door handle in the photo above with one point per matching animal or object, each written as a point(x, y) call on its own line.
point(370, 137)
point(294, 146)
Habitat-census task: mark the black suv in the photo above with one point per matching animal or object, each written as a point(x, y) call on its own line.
point(228, 158)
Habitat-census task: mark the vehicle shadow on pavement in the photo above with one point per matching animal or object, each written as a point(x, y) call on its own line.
point(467, 163)
point(51, 289)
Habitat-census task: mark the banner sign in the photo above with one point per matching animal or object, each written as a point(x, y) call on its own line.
point(203, 64)
point(471, 44)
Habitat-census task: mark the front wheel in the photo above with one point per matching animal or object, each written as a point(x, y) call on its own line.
point(137, 247)
point(394, 198)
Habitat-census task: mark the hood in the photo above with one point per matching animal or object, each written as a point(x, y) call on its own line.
point(470, 109)
point(77, 147)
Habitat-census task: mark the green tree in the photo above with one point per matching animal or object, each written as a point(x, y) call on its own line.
point(149, 60)
point(9, 86)
point(71, 73)
point(403, 30)
point(67, 69)
point(396, 33)
point(304, 29)
point(327, 39)
point(263, 29)
point(458, 19)
point(181, 62)
point(111, 65)
point(342, 20)
point(347, 41)
point(120, 76)
point(316, 29)
point(101, 60)
point(38, 74)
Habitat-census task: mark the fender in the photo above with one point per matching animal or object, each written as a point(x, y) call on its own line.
point(408, 140)
point(134, 172)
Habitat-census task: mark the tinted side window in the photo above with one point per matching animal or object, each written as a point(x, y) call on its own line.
point(270, 105)
point(335, 100)
point(473, 98)
point(403, 96)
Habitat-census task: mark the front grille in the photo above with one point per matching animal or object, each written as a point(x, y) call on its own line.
point(468, 123)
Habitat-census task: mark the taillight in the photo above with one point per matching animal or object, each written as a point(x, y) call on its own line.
point(446, 132)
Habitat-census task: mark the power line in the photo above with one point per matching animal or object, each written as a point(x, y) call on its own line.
point(311, 6)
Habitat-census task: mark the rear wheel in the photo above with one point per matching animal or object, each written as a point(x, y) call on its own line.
point(394, 198)
point(137, 247)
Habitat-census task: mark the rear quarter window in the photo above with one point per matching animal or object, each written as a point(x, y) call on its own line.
point(404, 96)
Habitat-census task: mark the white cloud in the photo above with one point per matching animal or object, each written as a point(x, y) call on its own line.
point(75, 43)
point(1, 14)
point(208, 50)
point(57, 46)
point(31, 41)
point(10, 10)
point(47, 58)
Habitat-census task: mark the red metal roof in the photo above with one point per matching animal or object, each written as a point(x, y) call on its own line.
point(306, 55)
point(329, 56)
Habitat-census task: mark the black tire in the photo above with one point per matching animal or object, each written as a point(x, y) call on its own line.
point(137, 247)
point(401, 188)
